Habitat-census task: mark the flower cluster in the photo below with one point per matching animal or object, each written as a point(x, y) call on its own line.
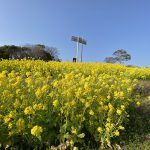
point(52, 100)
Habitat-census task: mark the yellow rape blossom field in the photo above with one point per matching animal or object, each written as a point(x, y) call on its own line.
point(45, 104)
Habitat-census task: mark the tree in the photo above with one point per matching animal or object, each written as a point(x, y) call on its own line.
point(43, 52)
point(110, 60)
point(37, 51)
point(53, 52)
point(4, 52)
point(14, 51)
point(121, 55)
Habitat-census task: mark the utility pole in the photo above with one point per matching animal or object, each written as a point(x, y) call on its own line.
point(81, 51)
point(77, 48)
point(81, 41)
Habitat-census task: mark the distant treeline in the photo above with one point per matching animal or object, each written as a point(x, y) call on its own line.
point(37, 51)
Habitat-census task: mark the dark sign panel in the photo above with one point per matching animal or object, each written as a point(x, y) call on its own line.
point(78, 39)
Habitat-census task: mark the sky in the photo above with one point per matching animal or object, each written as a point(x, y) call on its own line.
point(106, 25)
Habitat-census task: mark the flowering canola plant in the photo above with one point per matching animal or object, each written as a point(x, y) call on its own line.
point(45, 101)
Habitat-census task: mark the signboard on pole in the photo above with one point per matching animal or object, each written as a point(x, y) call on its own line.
point(81, 41)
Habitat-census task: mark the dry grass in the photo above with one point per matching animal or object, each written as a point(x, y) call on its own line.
point(137, 135)
point(143, 88)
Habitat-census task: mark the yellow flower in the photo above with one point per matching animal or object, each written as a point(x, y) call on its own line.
point(119, 112)
point(35, 106)
point(44, 107)
point(71, 142)
point(91, 112)
point(36, 130)
point(55, 83)
point(86, 85)
point(129, 89)
point(6, 119)
point(75, 148)
point(116, 94)
point(28, 74)
point(108, 97)
point(99, 129)
point(138, 103)
point(10, 125)
point(121, 94)
point(12, 114)
point(29, 110)
point(107, 125)
point(40, 106)
point(45, 88)
point(107, 129)
point(20, 124)
point(38, 74)
point(108, 119)
point(55, 103)
point(110, 106)
point(116, 133)
point(82, 100)
point(51, 94)
point(105, 107)
point(108, 141)
point(121, 128)
point(74, 130)
point(29, 81)
point(112, 125)
point(38, 93)
point(18, 91)
point(11, 133)
point(87, 104)
point(122, 107)
point(17, 103)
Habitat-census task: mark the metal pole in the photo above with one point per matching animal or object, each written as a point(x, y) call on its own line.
point(77, 49)
point(81, 52)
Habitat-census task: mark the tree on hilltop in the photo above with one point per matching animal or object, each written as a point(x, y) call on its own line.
point(119, 56)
